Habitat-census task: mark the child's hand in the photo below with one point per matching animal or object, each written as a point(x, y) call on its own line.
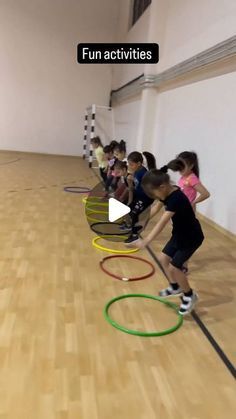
point(130, 179)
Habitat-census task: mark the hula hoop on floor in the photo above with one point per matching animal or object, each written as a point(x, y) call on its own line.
point(137, 332)
point(137, 278)
point(76, 189)
point(84, 199)
point(94, 220)
point(87, 200)
point(106, 223)
point(107, 249)
point(94, 211)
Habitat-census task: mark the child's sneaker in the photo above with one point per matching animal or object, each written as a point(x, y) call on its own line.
point(124, 227)
point(170, 292)
point(132, 238)
point(188, 304)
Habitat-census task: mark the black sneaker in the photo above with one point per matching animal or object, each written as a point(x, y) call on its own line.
point(124, 227)
point(188, 304)
point(137, 229)
point(170, 292)
point(132, 238)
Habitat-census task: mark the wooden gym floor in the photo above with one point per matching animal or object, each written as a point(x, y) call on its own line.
point(59, 358)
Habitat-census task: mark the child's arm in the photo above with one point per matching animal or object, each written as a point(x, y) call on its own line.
point(155, 231)
point(124, 195)
point(131, 197)
point(203, 194)
point(155, 209)
point(130, 188)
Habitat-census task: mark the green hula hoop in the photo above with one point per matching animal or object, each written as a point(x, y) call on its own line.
point(137, 332)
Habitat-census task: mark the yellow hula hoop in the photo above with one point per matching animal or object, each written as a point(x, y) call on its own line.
point(95, 220)
point(93, 211)
point(107, 249)
point(85, 200)
point(99, 220)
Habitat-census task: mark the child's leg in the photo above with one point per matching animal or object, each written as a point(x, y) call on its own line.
point(136, 210)
point(190, 297)
point(103, 174)
point(114, 183)
point(128, 219)
point(174, 274)
point(174, 288)
point(166, 257)
point(137, 207)
point(177, 275)
point(109, 182)
point(173, 260)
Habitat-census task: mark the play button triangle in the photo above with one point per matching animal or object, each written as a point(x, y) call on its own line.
point(116, 210)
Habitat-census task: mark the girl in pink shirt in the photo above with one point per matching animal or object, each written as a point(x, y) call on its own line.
point(187, 165)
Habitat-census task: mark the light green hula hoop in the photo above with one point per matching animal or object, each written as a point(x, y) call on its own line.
point(137, 332)
point(94, 211)
point(95, 220)
point(94, 200)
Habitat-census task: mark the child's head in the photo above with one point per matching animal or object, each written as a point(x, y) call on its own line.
point(120, 150)
point(96, 142)
point(121, 168)
point(108, 151)
point(190, 160)
point(156, 183)
point(185, 163)
point(113, 144)
point(135, 160)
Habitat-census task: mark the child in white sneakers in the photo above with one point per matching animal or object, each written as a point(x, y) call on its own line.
point(186, 238)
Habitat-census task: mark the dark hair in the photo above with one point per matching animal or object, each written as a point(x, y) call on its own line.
point(176, 165)
point(155, 178)
point(151, 160)
point(137, 157)
point(113, 145)
point(120, 165)
point(97, 140)
point(121, 147)
point(107, 149)
point(191, 159)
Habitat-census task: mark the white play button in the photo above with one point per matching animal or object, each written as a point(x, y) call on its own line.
point(116, 210)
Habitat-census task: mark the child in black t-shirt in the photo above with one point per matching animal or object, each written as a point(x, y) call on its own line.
point(187, 235)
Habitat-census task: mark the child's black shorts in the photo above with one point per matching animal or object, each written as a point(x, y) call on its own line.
point(180, 256)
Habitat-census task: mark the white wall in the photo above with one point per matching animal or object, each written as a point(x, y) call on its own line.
point(201, 117)
point(127, 117)
point(43, 91)
point(123, 73)
point(193, 26)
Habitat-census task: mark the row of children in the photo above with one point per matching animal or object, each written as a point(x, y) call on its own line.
point(149, 187)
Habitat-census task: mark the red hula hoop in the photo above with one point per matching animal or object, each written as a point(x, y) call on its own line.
point(129, 257)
